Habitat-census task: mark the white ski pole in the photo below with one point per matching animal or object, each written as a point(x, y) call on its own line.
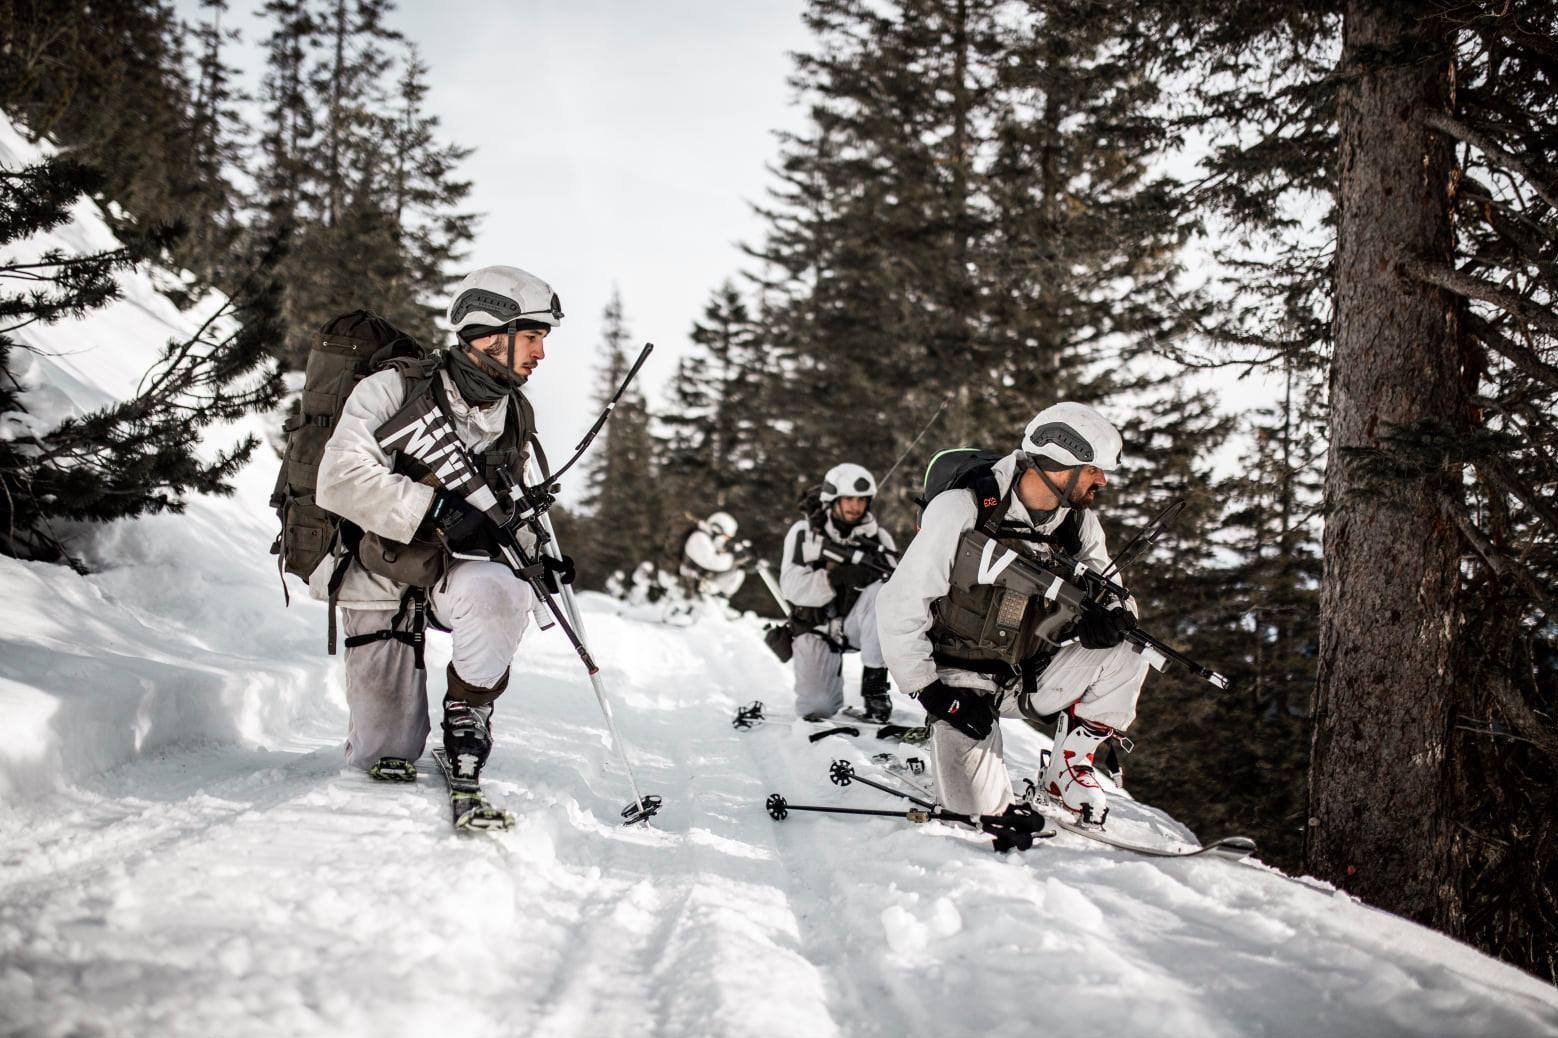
point(645, 806)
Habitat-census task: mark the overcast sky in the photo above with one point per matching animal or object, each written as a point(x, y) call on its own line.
point(618, 143)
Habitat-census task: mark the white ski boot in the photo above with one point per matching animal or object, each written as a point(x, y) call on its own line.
point(1068, 778)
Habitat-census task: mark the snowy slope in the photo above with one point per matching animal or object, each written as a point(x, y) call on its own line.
point(182, 851)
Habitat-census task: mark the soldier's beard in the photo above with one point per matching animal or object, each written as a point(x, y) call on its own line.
point(1082, 500)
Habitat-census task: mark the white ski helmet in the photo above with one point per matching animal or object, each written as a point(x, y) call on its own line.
point(492, 299)
point(847, 480)
point(1073, 434)
point(721, 524)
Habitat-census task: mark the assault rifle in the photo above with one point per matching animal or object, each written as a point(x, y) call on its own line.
point(872, 555)
point(1053, 576)
point(426, 433)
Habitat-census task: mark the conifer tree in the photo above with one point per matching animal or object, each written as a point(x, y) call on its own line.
point(627, 522)
point(139, 455)
point(1432, 772)
point(109, 81)
point(422, 196)
point(217, 151)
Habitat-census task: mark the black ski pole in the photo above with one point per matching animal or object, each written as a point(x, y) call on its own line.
point(1144, 539)
point(600, 423)
point(1015, 832)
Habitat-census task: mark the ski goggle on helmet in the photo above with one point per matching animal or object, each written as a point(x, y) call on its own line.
point(847, 480)
point(495, 300)
point(1069, 434)
point(721, 524)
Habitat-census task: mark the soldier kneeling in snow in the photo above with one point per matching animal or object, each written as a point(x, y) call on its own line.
point(938, 613)
point(423, 547)
point(833, 600)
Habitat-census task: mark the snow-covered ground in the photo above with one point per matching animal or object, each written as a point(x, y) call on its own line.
point(182, 850)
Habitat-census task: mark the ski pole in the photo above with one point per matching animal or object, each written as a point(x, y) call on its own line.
point(643, 807)
point(1009, 832)
point(842, 773)
point(605, 415)
point(923, 430)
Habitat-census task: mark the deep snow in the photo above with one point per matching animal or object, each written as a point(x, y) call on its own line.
point(182, 850)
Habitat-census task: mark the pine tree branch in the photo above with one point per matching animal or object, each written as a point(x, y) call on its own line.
point(1501, 475)
point(1448, 124)
point(1475, 288)
point(1522, 357)
point(1502, 565)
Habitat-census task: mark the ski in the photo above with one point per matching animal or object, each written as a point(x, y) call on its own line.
point(469, 806)
point(1230, 847)
point(394, 769)
point(1233, 848)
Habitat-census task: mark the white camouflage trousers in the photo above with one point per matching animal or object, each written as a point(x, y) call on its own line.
point(819, 670)
point(486, 609)
point(1104, 685)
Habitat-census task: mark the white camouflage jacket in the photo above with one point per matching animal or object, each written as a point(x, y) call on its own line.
point(356, 481)
point(802, 582)
point(903, 609)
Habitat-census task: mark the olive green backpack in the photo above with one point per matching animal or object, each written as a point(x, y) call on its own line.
point(346, 350)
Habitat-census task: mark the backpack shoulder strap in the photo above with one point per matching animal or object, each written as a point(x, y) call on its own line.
point(988, 499)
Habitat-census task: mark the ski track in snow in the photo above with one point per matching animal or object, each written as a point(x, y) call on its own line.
point(235, 890)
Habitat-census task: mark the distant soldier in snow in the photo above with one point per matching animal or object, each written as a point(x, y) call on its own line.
point(425, 547)
point(712, 558)
point(936, 613)
point(834, 563)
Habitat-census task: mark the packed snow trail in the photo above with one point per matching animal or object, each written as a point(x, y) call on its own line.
point(233, 890)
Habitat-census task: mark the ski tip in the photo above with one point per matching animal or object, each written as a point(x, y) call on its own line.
point(1232, 847)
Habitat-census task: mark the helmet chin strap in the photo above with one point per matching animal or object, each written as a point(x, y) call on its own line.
point(491, 366)
point(1063, 497)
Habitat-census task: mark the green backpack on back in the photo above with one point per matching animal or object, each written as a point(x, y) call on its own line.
point(346, 350)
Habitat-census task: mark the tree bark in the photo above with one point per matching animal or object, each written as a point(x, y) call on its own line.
point(1379, 803)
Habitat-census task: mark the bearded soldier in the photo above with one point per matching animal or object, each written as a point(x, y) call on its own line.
point(423, 548)
point(942, 631)
point(834, 562)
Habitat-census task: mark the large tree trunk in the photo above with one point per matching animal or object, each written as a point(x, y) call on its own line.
point(1378, 800)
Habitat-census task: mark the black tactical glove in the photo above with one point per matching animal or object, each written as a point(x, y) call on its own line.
point(967, 710)
point(1102, 627)
point(450, 519)
point(558, 572)
point(850, 574)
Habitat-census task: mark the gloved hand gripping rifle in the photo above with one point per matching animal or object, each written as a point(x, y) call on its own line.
point(874, 557)
point(426, 433)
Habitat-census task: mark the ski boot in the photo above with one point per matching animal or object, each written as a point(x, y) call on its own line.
point(873, 689)
point(1068, 777)
point(467, 738)
point(394, 769)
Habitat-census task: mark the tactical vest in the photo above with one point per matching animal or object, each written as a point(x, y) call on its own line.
point(424, 563)
point(844, 600)
point(982, 627)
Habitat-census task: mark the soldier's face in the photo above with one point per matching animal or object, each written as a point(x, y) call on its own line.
point(1089, 483)
point(529, 350)
point(850, 509)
